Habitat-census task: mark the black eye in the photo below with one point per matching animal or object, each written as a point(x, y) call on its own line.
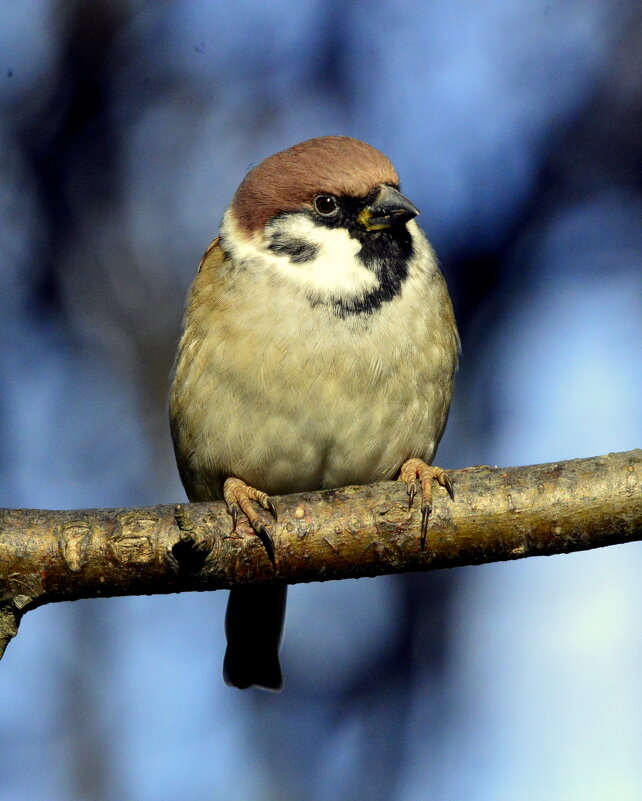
point(325, 205)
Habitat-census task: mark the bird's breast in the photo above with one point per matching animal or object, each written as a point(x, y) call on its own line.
point(289, 397)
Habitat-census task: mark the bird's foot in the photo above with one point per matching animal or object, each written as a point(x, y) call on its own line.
point(242, 499)
point(415, 469)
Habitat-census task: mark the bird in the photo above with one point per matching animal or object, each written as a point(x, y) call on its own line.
point(318, 350)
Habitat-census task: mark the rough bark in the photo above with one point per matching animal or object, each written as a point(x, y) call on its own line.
point(497, 514)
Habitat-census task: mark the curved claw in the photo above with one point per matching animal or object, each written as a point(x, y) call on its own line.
point(447, 484)
point(266, 538)
point(234, 511)
point(264, 533)
point(412, 491)
point(426, 509)
point(272, 508)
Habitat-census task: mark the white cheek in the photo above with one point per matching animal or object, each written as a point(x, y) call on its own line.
point(334, 272)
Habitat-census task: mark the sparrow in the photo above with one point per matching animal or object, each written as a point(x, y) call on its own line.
point(319, 348)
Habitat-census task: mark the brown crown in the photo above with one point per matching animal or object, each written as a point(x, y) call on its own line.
point(290, 179)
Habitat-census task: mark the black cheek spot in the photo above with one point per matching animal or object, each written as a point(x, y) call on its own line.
point(297, 250)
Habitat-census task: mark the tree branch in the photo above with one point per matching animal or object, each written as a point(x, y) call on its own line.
point(498, 514)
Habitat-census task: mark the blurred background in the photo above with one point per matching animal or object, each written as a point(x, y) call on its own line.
point(125, 127)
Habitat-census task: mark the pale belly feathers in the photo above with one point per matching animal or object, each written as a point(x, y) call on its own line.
point(302, 400)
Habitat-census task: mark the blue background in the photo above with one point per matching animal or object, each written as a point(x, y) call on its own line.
point(124, 129)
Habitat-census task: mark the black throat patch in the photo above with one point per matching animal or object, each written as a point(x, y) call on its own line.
point(387, 254)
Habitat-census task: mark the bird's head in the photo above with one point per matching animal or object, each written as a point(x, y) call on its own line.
point(328, 215)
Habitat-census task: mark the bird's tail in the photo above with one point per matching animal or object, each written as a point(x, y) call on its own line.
point(253, 627)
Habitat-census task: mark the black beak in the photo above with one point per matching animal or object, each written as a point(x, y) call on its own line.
point(389, 208)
